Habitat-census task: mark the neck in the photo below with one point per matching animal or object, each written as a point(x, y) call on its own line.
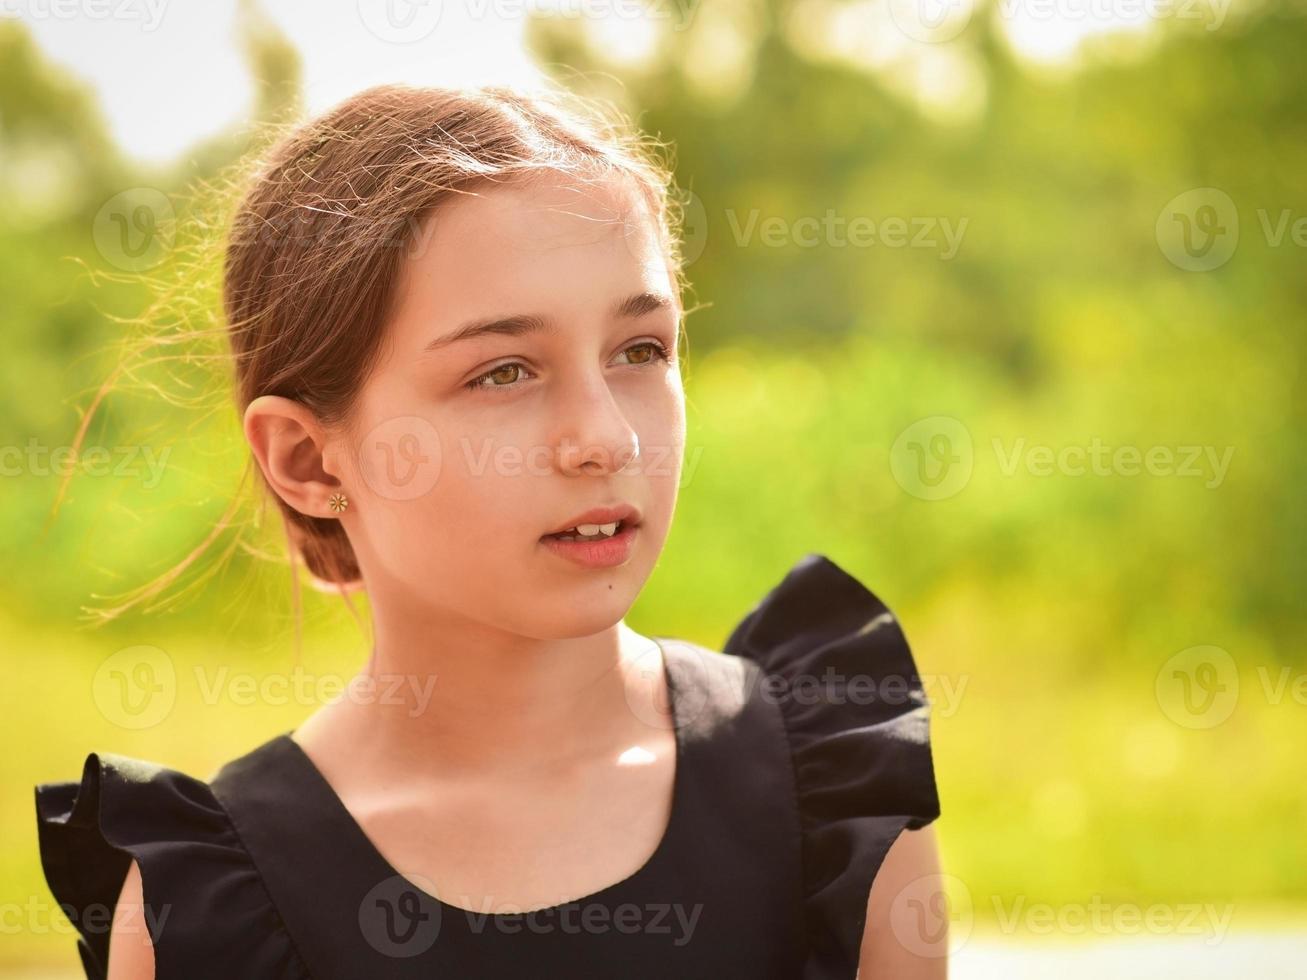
point(480, 701)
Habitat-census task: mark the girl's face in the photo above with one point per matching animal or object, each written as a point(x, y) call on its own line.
point(467, 449)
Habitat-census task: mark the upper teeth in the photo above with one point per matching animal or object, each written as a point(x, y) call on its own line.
point(608, 529)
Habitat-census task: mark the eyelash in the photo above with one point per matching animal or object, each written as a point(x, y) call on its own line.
point(660, 350)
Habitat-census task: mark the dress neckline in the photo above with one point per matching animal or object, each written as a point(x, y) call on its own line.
point(341, 822)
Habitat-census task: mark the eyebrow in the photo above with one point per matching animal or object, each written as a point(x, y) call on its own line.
point(522, 324)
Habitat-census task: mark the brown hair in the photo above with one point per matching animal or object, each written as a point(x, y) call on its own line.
point(329, 211)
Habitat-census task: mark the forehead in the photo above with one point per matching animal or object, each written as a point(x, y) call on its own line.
point(552, 244)
point(544, 209)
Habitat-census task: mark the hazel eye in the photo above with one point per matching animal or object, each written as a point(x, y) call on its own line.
point(509, 374)
point(653, 351)
point(497, 374)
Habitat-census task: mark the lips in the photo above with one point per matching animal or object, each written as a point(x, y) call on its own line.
point(626, 514)
point(601, 553)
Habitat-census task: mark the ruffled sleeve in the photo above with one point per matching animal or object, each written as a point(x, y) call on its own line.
point(205, 906)
point(856, 716)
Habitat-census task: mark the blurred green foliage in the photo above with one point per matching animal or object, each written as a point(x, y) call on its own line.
point(1051, 602)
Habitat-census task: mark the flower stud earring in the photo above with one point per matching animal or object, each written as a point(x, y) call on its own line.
point(338, 502)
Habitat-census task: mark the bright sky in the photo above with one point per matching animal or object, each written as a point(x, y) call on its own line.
point(169, 74)
point(142, 56)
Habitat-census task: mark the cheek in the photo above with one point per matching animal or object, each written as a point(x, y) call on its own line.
point(408, 475)
point(489, 506)
point(663, 429)
point(450, 542)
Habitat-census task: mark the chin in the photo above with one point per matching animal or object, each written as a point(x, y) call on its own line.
point(571, 621)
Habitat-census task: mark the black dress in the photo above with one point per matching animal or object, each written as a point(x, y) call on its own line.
point(803, 750)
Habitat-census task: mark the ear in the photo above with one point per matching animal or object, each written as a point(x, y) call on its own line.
point(294, 453)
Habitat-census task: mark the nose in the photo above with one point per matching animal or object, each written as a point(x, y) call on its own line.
point(596, 437)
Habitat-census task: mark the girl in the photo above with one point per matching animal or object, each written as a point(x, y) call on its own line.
point(454, 318)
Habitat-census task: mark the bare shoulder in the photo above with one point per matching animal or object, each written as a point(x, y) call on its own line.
point(913, 947)
point(131, 951)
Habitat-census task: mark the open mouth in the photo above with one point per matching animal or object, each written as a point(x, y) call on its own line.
point(592, 532)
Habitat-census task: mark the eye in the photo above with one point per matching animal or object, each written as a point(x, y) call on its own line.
point(654, 348)
point(494, 373)
point(510, 372)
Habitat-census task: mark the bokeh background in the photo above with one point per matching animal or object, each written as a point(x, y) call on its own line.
point(1000, 306)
